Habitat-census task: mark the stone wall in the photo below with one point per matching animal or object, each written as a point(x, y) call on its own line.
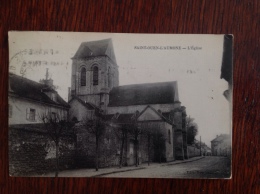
point(110, 144)
point(109, 149)
point(193, 151)
point(31, 152)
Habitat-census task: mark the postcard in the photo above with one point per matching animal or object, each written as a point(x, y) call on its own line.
point(120, 105)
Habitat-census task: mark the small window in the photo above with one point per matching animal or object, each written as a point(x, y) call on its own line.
point(169, 136)
point(83, 77)
point(95, 75)
point(10, 111)
point(31, 114)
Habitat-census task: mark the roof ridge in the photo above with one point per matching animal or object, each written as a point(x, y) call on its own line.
point(94, 48)
point(147, 93)
point(91, 104)
point(30, 89)
point(19, 76)
point(221, 136)
point(82, 102)
point(93, 41)
point(153, 109)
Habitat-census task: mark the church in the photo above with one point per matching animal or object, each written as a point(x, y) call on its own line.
point(154, 107)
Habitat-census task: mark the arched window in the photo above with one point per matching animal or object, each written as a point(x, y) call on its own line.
point(95, 75)
point(83, 77)
point(169, 136)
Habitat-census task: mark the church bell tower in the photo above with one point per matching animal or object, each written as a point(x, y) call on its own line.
point(94, 72)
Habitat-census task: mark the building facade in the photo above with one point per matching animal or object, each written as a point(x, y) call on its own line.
point(221, 145)
point(153, 107)
point(31, 148)
point(29, 101)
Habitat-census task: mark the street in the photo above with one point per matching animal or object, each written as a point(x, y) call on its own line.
point(208, 167)
point(197, 167)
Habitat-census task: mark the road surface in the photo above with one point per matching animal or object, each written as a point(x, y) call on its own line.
point(208, 167)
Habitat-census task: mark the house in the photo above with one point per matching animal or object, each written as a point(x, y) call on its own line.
point(151, 106)
point(31, 149)
point(221, 145)
point(29, 100)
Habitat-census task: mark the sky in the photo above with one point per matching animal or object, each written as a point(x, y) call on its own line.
point(194, 61)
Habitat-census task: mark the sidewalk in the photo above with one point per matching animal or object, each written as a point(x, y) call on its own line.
point(114, 170)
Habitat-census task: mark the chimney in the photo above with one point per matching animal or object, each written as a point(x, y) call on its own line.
point(47, 81)
point(50, 89)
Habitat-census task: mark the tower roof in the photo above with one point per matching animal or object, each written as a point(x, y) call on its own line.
point(96, 48)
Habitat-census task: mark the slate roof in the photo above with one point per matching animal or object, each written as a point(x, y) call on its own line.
point(88, 105)
point(39, 128)
point(26, 88)
point(127, 118)
point(221, 137)
point(162, 115)
point(166, 115)
point(122, 118)
point(142, 94)
point(96, 48)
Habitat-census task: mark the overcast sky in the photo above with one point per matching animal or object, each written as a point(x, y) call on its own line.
point(196, 71)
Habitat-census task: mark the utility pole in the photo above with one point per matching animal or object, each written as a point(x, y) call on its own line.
point(200, 145)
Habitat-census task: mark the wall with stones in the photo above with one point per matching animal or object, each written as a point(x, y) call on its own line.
point(193, 151)
point(109, 147)
point(161, 146)
point(161, 142)
point(33, 152)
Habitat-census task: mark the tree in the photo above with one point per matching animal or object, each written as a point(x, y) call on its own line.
point(135, 131)
point(96, 126)
point(121, 131)
point(55, 126)
point(192, 130)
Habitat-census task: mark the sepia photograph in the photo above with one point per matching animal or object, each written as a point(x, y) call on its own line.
point(120, 105)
